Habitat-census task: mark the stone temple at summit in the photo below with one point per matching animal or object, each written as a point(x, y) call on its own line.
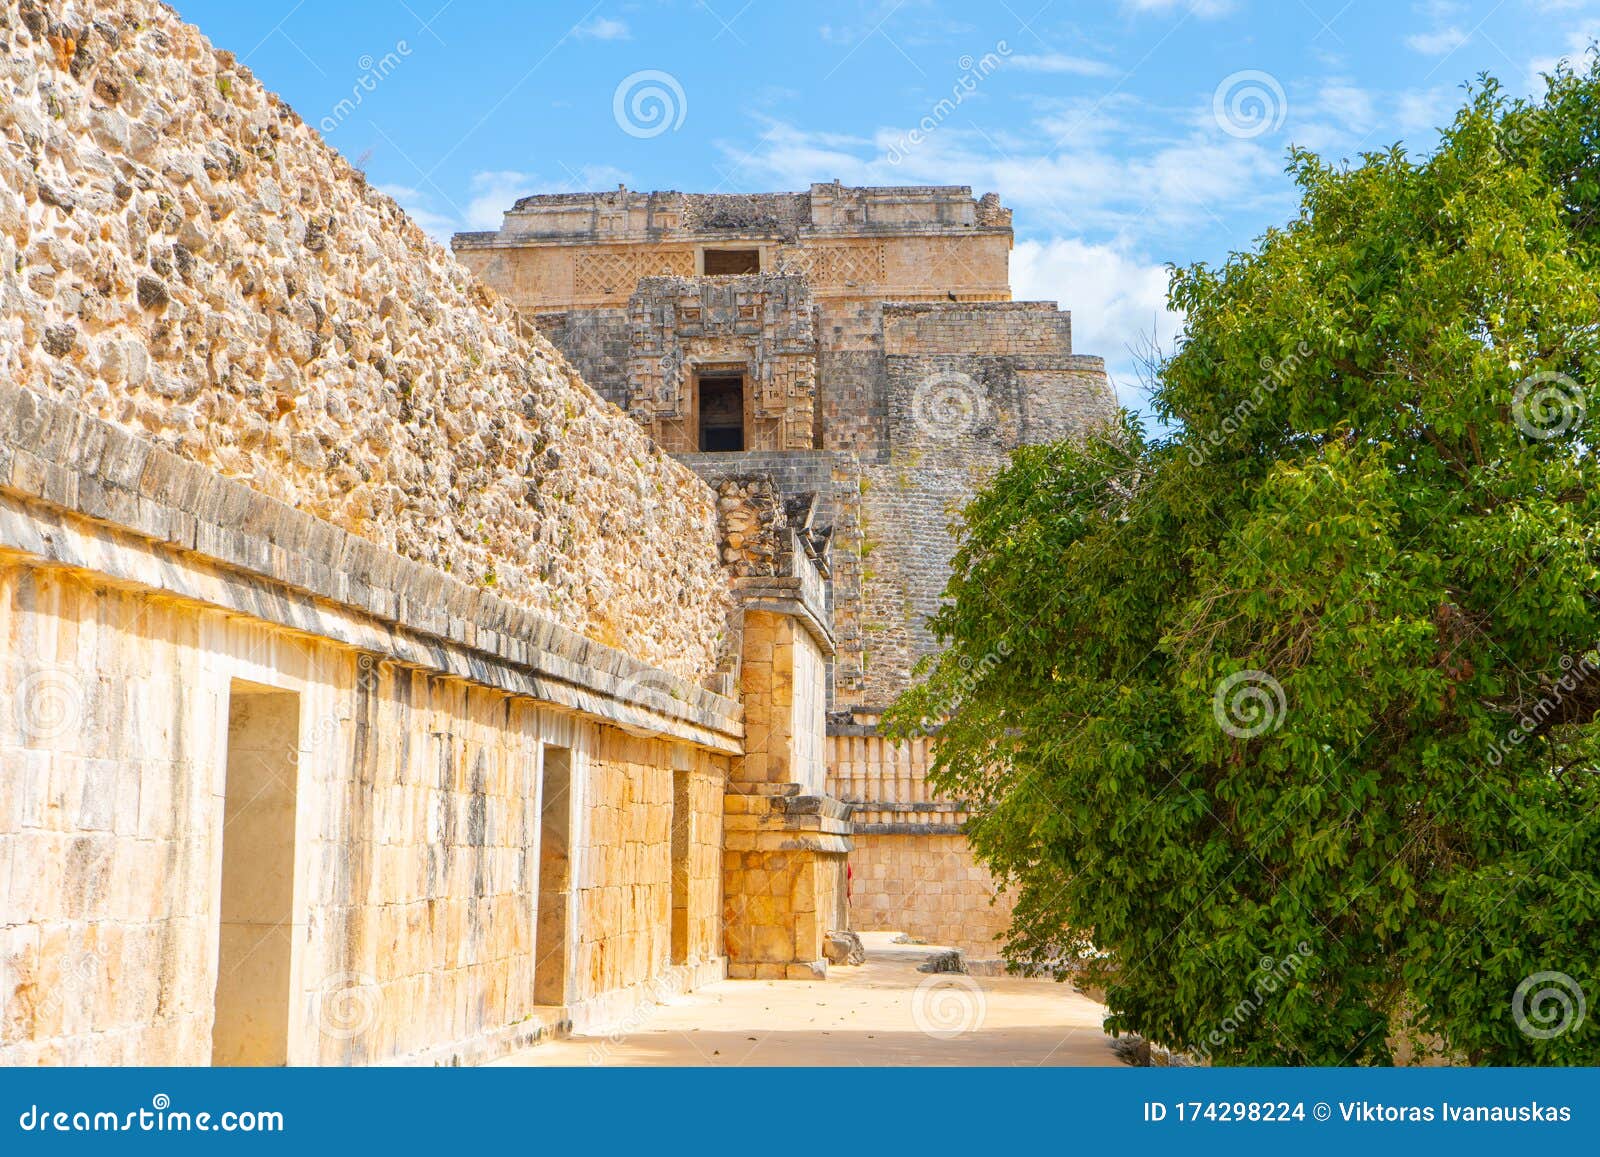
point(856, 352)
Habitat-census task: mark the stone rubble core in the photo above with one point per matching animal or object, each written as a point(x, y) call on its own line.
point(182, 255)
point(847, 364)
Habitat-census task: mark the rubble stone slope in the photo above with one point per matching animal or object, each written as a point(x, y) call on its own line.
point(182, 255)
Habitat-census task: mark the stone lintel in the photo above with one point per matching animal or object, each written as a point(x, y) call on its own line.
point(793, 596)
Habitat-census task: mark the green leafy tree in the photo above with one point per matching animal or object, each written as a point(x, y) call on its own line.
point(1283, 727)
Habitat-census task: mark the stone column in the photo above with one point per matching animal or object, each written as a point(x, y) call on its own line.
point(785, 839)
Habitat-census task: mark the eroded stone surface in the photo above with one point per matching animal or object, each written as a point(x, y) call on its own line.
point(181, 254)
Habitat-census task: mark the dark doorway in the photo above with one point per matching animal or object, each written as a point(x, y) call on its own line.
point(732, 262)
point(721, 412)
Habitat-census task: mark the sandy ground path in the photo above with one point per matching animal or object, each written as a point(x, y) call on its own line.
point(884, 1012)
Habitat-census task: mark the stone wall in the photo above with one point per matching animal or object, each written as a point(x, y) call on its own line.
point(784, 687)
point(926, 377)
point(917, 380)
point(961, 387)
point(624, 883)
point(786, 838)
point(927, 886)
point(912, 868)
point(182, 255)
point(919, 404)
point(587, 251)
point(414, 839)
point(398, 884)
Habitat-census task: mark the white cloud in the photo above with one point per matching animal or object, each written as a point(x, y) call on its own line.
point(1352, 106)
point(1438, 42)
point(603, 28)
point(490, 193)
point(1343, 119)
point(1057, 62)
point(419, 206)
point(1118, 302)
point(1205, 9)
point(1162, 189)
point(493, 192)
point(1576, 44)
point(1420, 112)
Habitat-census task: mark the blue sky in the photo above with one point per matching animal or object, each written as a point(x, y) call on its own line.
point(1125, 134)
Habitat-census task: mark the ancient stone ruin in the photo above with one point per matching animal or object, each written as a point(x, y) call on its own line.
point(855, 352)
point(372, 688)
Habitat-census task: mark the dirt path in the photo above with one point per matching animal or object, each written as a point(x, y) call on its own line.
point(884, 1012)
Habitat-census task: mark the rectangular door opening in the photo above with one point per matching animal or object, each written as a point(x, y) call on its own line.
point(682, 838)
point(721, 412)
point(256, 933)
point(555, 878)
point(732, 262)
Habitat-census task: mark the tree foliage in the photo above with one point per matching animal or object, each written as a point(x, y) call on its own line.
point(1283, 726)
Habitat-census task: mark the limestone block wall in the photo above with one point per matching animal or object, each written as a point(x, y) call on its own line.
point(785, 692)
point(231, 733)
point(595, 342)
point(182, 255)
point(912, 869)
point(785, 839)
point(781, 905)
point(963, 385)
point(413, 831)
point(625, 884)
point(899, 243)
point(761, 325)
point(920, 404)
point(850, 374)
point(927, 886)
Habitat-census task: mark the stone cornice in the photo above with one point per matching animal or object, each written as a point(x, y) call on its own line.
point(80, 492)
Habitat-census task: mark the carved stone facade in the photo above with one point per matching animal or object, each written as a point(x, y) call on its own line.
point(883, 373)
point(761, 326)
